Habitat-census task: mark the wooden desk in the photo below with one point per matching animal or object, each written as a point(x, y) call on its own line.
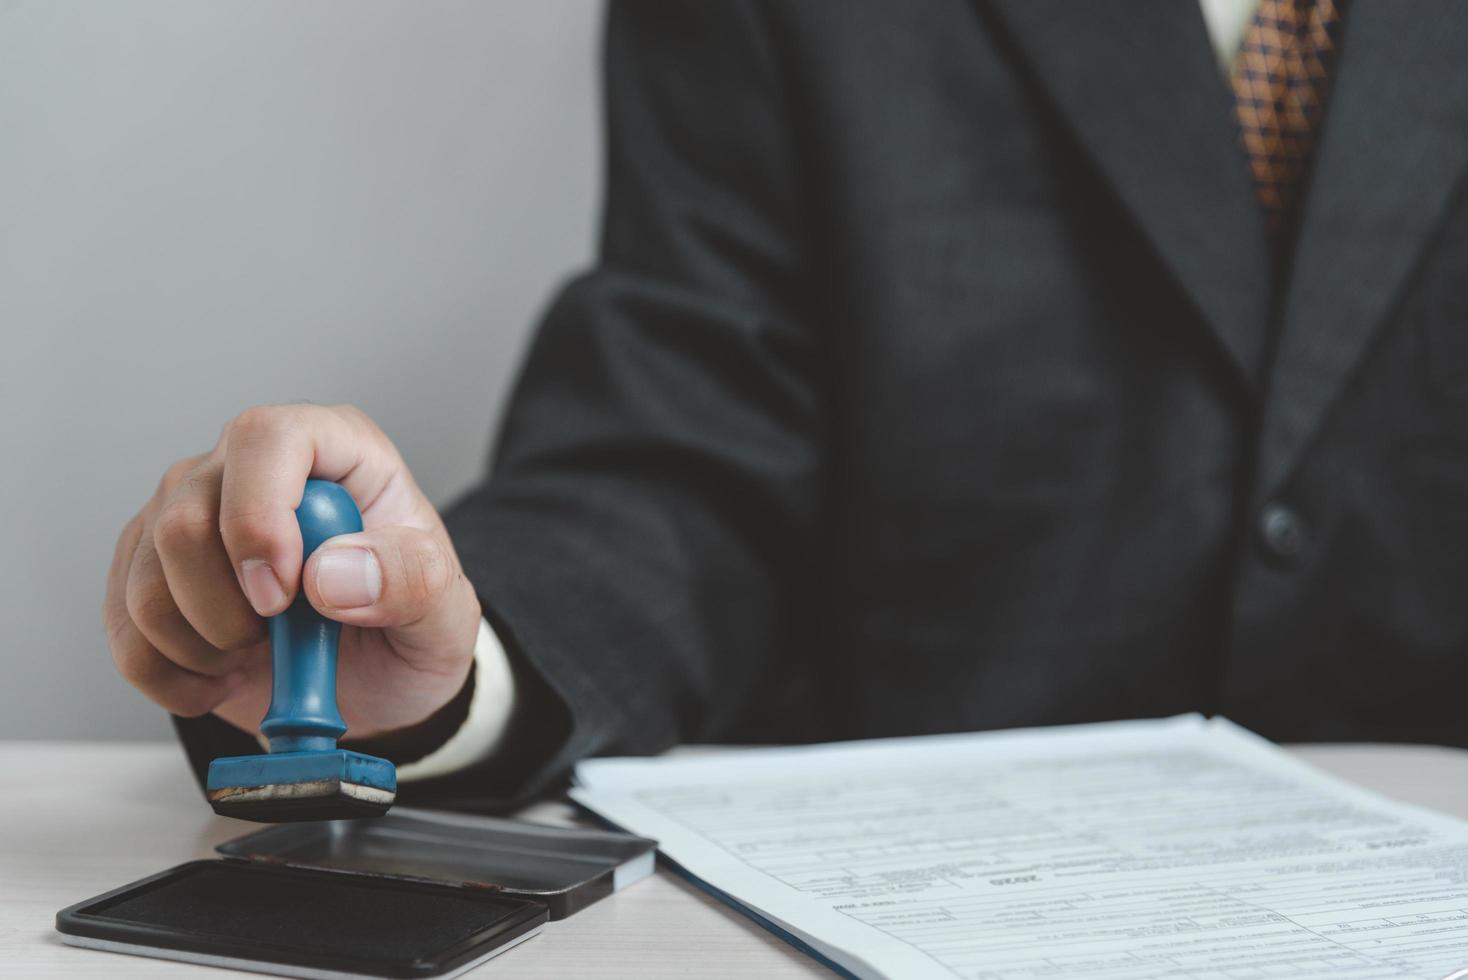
point(82, 818)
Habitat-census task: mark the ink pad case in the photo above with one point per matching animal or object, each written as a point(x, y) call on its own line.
point(299, 923)
point(410, 894)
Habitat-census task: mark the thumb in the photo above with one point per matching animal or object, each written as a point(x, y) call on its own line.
point(404, 579)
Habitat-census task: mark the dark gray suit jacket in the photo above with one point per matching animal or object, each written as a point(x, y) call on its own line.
point(934, 375)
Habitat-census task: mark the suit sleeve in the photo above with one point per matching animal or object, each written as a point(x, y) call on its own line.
point(645, 537)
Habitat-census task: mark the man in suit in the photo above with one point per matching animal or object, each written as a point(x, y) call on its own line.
point(946, 366)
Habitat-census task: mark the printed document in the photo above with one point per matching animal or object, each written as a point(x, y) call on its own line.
point(1179, 848)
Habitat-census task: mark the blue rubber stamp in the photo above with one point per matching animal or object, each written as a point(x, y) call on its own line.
point(305, 776)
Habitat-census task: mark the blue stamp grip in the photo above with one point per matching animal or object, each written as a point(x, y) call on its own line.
point(303, 715)
point(305, 776)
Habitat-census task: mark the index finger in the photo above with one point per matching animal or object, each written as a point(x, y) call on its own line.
point(269, 453)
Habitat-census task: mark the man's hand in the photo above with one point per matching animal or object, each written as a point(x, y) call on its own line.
point(217, 548)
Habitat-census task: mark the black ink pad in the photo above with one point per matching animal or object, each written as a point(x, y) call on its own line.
point(302, 922)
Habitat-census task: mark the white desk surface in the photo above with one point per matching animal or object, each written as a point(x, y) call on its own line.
point(80, 818)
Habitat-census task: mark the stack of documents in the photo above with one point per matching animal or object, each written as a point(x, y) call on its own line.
point(1178, 848)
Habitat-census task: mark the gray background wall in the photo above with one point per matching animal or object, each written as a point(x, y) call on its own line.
point(208, 205)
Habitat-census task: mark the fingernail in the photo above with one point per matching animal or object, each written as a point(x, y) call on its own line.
point(348, 577)
point(262, 588)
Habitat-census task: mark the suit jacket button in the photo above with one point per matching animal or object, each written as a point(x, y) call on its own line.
point(1281, 533)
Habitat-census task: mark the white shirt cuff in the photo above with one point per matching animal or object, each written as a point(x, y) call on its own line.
point(489, 714)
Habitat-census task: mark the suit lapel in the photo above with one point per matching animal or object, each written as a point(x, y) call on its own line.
point(1138, 85)
point(1393, 146)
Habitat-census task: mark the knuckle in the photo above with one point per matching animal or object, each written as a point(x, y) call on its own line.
point(255, 417)
point(181, 526)
point(260, 423)
point(233, 632)
point(251, 530)
point(116, 622)
point(174, 475)
point(365, 426)
point(353, 412)
point(165, 684)
point(430, 571)
point(131, 656)
point(150, 604)
point(129, 667)
point(198, 485)
point(143, 667)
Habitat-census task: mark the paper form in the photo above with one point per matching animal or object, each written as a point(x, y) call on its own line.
point(1180, 848)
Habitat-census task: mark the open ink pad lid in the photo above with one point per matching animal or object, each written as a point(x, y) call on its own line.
point(302, 923)
point(408, 894)
point(563, 868)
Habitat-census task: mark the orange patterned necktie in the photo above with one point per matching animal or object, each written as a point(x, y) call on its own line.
point(1280, 80)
